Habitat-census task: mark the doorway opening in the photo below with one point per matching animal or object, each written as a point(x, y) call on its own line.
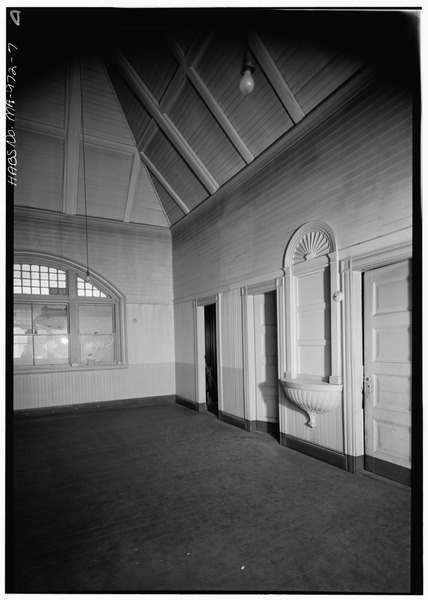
point(211, 380)
point(266, 363)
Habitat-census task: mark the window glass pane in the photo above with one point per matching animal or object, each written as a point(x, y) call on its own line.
point(96, 348)
point(95, 319)
point(25, 267)
point(23, 350)
point(22, 322)
point(50, 350)
point(50, 318)
point(26, 290)
point(88, 289)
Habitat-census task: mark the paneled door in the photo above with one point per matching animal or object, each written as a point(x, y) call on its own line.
point(387, 371)
point(266, 357)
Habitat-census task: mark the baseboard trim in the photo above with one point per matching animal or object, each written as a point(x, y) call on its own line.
point(331, 457)
point(187, 403)
point(95, 406)
point(389, 470)
point(354, 463)
point(232, 420)
point(267, 427)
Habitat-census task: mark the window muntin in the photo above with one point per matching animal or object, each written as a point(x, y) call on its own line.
point(41, 334)
point(87, 289)
point(39, 279)
point(80, 330)
point(96, 334)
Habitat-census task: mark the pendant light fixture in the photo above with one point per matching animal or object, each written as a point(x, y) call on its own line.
point(246, 85)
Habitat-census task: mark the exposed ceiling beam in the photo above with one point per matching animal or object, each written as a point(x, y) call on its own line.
point(164, 182)
point(148, 135)
point(132, 190)
point(72, 140)
point(201, 88)
point(275, 78)
point(172, 133)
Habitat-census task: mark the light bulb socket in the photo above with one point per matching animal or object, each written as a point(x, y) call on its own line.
point(247, 65)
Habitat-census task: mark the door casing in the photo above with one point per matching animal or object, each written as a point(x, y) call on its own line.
point(351, 269)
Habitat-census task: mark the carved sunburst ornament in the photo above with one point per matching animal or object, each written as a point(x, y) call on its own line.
point(311, 245)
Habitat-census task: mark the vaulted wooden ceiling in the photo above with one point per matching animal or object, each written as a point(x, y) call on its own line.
point(137, 116)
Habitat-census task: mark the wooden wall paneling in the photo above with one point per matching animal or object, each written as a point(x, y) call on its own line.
point(194, 120)
point(146, 207)
point(136, 115)
point(331, 175)
point(232, 366)
point(172, 210)
point(98, 385)
point(154, 64)
point(103, 115)
point(185, 350)
point(39, 170)
point(43, 99)
point(175, 171)
point(328, 79)
point(150, 336)
point(137, 260)
point(108, 174)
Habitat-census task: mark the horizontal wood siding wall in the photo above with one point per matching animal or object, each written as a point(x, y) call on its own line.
point(41, 390)
point(353, 172)
point(185, 350)
point(232, 366)
point(137, 262)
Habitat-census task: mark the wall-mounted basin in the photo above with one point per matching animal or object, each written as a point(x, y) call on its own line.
point(312, 397)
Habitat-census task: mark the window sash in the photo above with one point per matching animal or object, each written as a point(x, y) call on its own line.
point(68, 347)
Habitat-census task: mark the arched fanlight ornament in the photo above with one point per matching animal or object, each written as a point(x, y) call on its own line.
point(311, 245)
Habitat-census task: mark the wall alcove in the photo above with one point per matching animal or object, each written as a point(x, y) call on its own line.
point(312, 379)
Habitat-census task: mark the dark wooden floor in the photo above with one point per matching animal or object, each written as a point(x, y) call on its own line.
point(167, 499)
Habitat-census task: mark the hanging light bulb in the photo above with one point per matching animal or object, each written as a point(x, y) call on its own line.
point(246, 85)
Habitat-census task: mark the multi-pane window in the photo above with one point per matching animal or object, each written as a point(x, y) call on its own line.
point(85, 288)
point(39, 279)
point(79, 328)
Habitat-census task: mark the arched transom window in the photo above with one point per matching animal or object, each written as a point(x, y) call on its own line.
point(62, 319)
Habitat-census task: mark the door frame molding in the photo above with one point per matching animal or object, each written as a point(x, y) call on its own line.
point(199, 346)
point(367, 256)
point(248, 343)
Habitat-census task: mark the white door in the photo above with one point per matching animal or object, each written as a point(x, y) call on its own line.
point(387, 370)
point(266, 357)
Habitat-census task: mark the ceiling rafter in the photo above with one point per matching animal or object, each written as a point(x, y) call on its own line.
point(275, 78)
point(148, 135)
point(132, 189)
point(188, 66)
point(164, 183)
point(175, 137)
point(72, 140)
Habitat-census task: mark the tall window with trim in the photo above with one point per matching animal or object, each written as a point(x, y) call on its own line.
point(61, 320)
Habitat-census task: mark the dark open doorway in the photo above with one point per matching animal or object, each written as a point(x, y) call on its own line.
point(211, 358)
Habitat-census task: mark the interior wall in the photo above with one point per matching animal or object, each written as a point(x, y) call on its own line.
point(185, 350)
point(137, 262)
point(353, 172)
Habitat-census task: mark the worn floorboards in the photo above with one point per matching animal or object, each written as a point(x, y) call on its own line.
point(164, 498)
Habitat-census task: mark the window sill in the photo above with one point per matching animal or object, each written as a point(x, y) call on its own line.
point(65, 369)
